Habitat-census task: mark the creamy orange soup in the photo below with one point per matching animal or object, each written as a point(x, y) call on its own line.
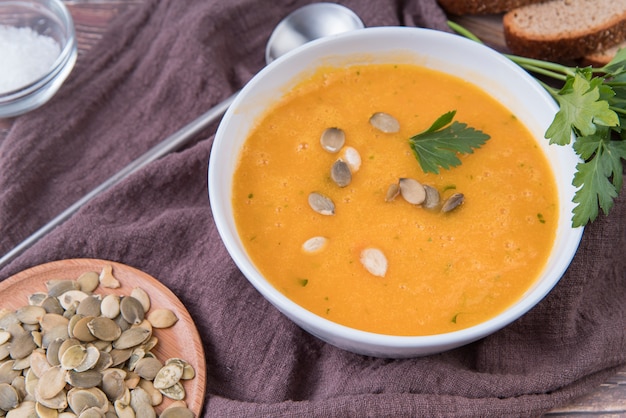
point(446, 271)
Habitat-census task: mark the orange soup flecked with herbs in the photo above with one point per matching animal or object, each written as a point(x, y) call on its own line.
point(377, 262)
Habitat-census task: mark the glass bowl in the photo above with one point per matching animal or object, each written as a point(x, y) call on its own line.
point(38, 45)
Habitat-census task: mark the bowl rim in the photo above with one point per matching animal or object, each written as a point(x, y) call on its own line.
point(67, 54)
point(312, 322)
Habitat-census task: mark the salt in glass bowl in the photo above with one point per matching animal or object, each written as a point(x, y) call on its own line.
point(49, 20)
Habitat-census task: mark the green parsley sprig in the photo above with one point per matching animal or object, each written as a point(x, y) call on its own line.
point(439, 145)
point(592, 107)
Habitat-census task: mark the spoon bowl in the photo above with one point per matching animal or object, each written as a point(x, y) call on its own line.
point(310, 22)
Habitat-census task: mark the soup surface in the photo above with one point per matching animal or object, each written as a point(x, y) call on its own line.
point(445, 271)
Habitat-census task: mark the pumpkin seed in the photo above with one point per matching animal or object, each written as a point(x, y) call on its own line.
point(104, 361)
point(148, 368)
point(93, 354)
point(131, 338)
point(82, 399)
point(176, 392)
point(314, 244)
point(412, 191)
point(132, 379)
point(104, 329)
point(132, 310)
point(73, 357)
point(177, 412)
point(141, 403)
point(22, 345)
point(392, 192)
point(51, 383)
point(30, 314)
point(9, 397)
point(123, 410)
point(374, 261)
point(340, 173)
point(57, 287)
point(352, 157)
point(52, 305)
point(113, 383)
point(384, 122)
point(142, 296)
point(45, 412)
point(332, 139)
point(52, 320)
point(432, 198)
point(110, 306)
point(7, 374)
point(188, 370)
point(52, 353)
point(156, 397)
point(4, 336)
point(93, 412)
point(37, 298)
point(81, 330)
point(453, 202)
point(107, 279)
point(88, 281)
point(71, 299)
point(59, 401)
point(85, 379)
point(321, 204)
point(19, 384)
point(119, 356)
point(4, 351)
point(168, 376)
point(21, 364)
point(59, 332)
point(25, 409)
point(67, 344)
point(137, 354)
point(162, 318)
point(90, 306)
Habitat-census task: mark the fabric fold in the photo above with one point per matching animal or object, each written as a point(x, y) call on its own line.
point(158, 67)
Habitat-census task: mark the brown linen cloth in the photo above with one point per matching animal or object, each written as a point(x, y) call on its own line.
point(160, 66)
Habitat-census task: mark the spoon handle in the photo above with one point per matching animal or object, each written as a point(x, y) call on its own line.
point(169, 144)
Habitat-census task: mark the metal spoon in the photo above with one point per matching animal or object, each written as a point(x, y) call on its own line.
point(301, 26)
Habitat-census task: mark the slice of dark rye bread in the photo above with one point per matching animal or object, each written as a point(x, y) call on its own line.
point(559, 30)
point(481, 7)
point(601, 58)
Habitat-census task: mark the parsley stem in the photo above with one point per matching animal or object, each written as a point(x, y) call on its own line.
point(539, 70)
point(464, 32)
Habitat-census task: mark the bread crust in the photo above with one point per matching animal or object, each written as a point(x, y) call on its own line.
point(481, 7)
point(570, 41)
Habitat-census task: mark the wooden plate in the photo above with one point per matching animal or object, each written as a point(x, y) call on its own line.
point(182, 340)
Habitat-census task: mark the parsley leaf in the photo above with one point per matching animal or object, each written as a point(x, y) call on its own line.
point(599, 177)
point(592, 110)
point(439, 145)
point(581, 108)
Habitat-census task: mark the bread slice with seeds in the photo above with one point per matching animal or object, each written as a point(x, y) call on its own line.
point(560, 30)
point(601, 58)
point(482, 7)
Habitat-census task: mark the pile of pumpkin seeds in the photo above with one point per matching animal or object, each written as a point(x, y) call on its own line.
point(421, 195)
point(72, 353)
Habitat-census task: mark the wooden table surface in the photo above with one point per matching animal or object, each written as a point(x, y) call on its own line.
point(91, 18)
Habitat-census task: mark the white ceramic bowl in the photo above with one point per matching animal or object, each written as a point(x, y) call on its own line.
point(46, 18)
point(452, 54)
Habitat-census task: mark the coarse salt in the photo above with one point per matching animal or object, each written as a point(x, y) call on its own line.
point(26, 56)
